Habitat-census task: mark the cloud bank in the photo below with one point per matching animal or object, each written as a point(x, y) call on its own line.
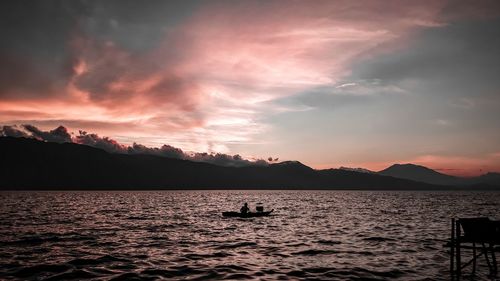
point(61, 135)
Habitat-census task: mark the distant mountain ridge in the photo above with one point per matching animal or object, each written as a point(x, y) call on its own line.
point(419, 173)
point(32, 164)
point(424, 174)
point(488, 178)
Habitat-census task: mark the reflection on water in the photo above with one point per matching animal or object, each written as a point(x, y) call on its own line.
point(342, 235)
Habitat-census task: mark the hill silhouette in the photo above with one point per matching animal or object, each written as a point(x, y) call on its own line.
point(32, 164)
point(420, 173)
point(424, 174)
point(488, 178)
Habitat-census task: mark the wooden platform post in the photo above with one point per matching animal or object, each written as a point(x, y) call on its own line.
point(474, 257)
point(485, 251)
point(494, 260)
point(457, 243)
point(452, 247)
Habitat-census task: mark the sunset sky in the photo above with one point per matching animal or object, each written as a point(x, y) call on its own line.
point(328, 83)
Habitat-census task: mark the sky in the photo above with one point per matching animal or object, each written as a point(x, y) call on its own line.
point(328, 83)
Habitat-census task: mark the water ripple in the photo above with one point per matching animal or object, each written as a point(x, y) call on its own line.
point(313, 235)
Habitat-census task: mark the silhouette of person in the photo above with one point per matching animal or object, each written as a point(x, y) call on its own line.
point(245, 209)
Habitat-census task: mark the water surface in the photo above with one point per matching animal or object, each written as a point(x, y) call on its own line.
point(339, 235)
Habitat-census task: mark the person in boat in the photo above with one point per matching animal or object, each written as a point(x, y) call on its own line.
point(245, 209)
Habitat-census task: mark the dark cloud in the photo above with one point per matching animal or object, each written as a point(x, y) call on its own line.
point(39, 28)
point(219, 159)
point(59, 134)
point(135, 25)
point(114, 75)
point(225, 160)
point(43, 27)
point(109, 65)
point(33, 45)
point(457, 58)
point(345, 94)
point(104, 143)
point(12, 131)
point(37, 46)
point(165, 150)
point(21, 78)
point(471, 9)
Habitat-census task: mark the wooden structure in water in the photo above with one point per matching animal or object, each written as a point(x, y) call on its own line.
point(479, 235)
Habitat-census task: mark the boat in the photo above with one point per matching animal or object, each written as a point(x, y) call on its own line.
point(247, 215)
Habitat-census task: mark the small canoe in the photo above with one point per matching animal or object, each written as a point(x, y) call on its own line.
point(247, 215)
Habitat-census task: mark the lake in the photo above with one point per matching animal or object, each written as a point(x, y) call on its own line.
point(332, 235)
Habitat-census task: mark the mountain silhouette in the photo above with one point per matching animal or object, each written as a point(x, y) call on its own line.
point(420, 173)
point(488, 178)
point(32, 164)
